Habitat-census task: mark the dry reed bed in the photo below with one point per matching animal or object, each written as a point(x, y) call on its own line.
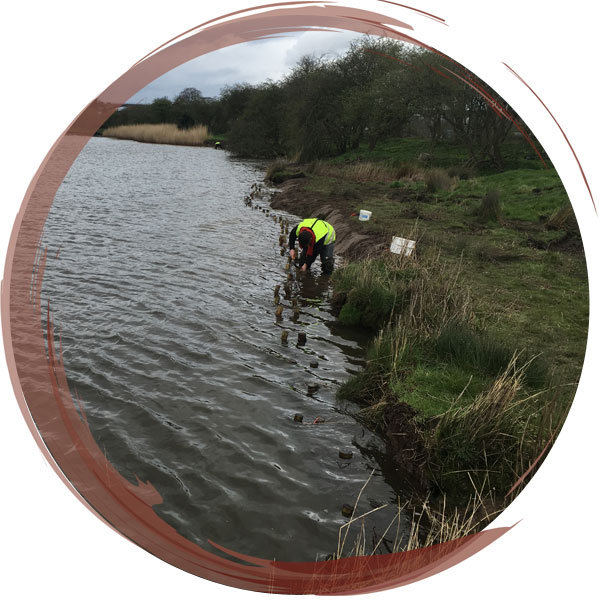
point(166, 133)
point(435, 179)
point(359, 172)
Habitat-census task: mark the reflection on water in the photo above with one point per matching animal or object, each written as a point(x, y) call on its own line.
point(163, 291)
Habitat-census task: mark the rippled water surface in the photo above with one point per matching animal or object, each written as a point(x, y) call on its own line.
point(163, 292)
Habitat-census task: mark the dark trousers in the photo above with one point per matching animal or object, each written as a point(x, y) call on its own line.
point(326, 256)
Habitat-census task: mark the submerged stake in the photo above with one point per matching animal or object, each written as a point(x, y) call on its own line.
point(301, 339)
point(298, 418)
point(345, 455)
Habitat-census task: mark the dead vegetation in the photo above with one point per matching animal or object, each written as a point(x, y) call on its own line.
point(165, 133)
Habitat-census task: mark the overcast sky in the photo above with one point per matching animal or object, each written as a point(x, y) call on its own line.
point(251, 62)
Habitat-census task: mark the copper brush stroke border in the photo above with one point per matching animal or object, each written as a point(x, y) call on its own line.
point(55, 418)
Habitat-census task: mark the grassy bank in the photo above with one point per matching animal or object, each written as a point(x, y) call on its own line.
point(165, 133)
point(478, 411)
point(479, 337)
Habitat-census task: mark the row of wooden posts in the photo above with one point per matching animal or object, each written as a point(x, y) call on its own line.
point(255, 193)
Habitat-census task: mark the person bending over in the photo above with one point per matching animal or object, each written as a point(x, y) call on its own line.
point(315, 238)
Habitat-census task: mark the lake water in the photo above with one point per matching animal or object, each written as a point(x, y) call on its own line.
point(163, 294)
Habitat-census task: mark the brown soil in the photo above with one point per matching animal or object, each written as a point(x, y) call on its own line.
point(351, 242)
point(406, 448)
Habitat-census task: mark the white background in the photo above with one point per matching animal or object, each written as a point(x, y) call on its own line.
point(57, 56)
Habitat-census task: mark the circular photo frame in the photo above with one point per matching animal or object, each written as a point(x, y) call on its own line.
point(497, 212)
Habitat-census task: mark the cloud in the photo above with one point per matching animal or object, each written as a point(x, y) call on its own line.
point(250, 62)
point(319, 44)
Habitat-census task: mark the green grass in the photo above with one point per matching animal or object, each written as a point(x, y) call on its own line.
point(432, 388)
point(529, 297)
point(375, 292)
point(476, 293)
point(443, 154)
point(526, 194)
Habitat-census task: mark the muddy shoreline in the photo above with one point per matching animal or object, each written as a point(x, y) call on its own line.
point(406, 461)
point(351, 242)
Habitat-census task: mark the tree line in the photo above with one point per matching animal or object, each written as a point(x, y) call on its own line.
point(380, 89)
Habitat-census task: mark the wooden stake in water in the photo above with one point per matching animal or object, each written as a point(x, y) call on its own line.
point(276, 290)
point(284, 337)
point(301, 339)
point(279, 311)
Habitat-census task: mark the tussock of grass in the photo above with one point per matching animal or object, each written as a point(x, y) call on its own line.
point(409, 171)
point(461, 172)
point(165, 133)
point(499, 436)
point(439, 524)
point(489, 209)
point(276, 166)
point(425, 293)
point(563, 219)
point(482, 353)
point(438, 180)
point(360, 172)
point(483, 436)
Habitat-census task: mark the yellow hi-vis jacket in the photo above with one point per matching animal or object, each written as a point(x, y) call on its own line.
point(321, 229)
